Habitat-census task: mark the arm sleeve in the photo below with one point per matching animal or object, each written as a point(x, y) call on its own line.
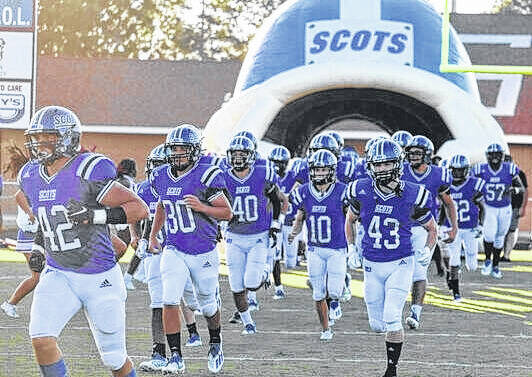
point(214, 181)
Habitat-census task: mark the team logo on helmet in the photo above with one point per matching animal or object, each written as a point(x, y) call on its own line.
point(322, 167)
point(183, 146)
point(403, 138)
point(241, 153)
point(54, 132)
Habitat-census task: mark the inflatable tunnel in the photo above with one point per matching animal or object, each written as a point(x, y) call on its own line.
point(315, 62)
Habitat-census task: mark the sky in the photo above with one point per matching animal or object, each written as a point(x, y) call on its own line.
point(466, 6)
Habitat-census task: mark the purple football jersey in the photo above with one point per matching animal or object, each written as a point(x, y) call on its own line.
point(286, 184)
point(465, 196)
point(497, 182)
point(87, 177)
point(387, 218)
point(435, 179)
point(360, 169)
point(251, 214)
point(189, 231)
point(146, 192)
point(325, 214)
point(345, 172)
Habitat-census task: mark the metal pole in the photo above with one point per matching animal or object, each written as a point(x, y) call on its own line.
point(453, 7)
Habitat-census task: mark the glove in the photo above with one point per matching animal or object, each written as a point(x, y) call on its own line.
point(424, 256)
point(275, 228)
point(477, 231)
point(37, 260)
point(142, 248)
point(354, 259)
point(79, 213)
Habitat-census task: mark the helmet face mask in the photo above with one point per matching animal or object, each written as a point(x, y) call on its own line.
point(180, 156)
point(416, 156)
point(459, 166)
point(494, 158)
point(280, 167)
point(419, 151)
point(183, 147)
point(280, 156)
point(54, 132)
point(459, 174)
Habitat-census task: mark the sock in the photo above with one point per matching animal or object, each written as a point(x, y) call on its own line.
point(393, 351)
point(277, 273)
point(57, 369)
point(132, 373)
point(192, 329)
point(215, 336)
point(174, 341)
point(133, 265)
point(496, 256)
point(160, 348)
point(487, 249)
point(246, 317)
point(455, 286)
point(417, 310)
point(252, 296)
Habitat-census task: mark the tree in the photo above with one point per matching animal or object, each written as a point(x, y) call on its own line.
point(513, 7)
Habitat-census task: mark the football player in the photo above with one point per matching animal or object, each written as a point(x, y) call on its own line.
point(322, 204)
point(192, 200)
point(280, 156)
point(389, 208)
point(254, 228)
point(437, 181)
point(467, 193)
point(502, 178)
point(75, 197)
point(403, 138)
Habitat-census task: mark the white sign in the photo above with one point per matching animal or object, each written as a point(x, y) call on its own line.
point(15, 104)
point(373, 40)
point(16, 13)
point(16, 55)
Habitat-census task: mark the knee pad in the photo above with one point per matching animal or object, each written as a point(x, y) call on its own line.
point(209, 304)
point(377, 326)
point(114, 359)
point(190, 299)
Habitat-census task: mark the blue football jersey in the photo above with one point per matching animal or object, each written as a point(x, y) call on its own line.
point(360, 169)
point(146, 192)
point(189, 231)
point(435, 179)
point(497, 182)
point(345, 172)
point(87, 177)
point(324, 214)
point(388, 219)
point(251, 214)
point(465, 197)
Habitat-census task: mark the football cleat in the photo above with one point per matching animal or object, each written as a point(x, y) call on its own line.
point(253, 305)
point(156, 363)
point(236, 318)
point(486, 270)
point(10, 310)
point(496, 273)
point(331, 322)
point(194, 341)
point(175, 365)
point(412, 320)
point(335, 311)
point(216, 358)
point(457, 297)
point(128, 280)
point(279, 294)
point(326, 335)
point(249, 329)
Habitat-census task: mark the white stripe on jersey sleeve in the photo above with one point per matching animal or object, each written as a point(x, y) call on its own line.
point(213, 171)
point(104, 191)
point(422, 197)
point(297, 197)
point(92, 165)
point(352, 190)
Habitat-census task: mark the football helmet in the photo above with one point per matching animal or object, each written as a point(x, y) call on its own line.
point(370, 142)
point(246, 157)
point(322, 158)
point(339, 139)
point(127, 166)
point(188, 137)
point(495, 154)
point(324, 141)
point(384, 151)
point(280, 156)
point(403, 138)
point(422, 156)
point(157, 157)
point(54, 132)
point(250, 136)
point(459, 166)
point(350, 152)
